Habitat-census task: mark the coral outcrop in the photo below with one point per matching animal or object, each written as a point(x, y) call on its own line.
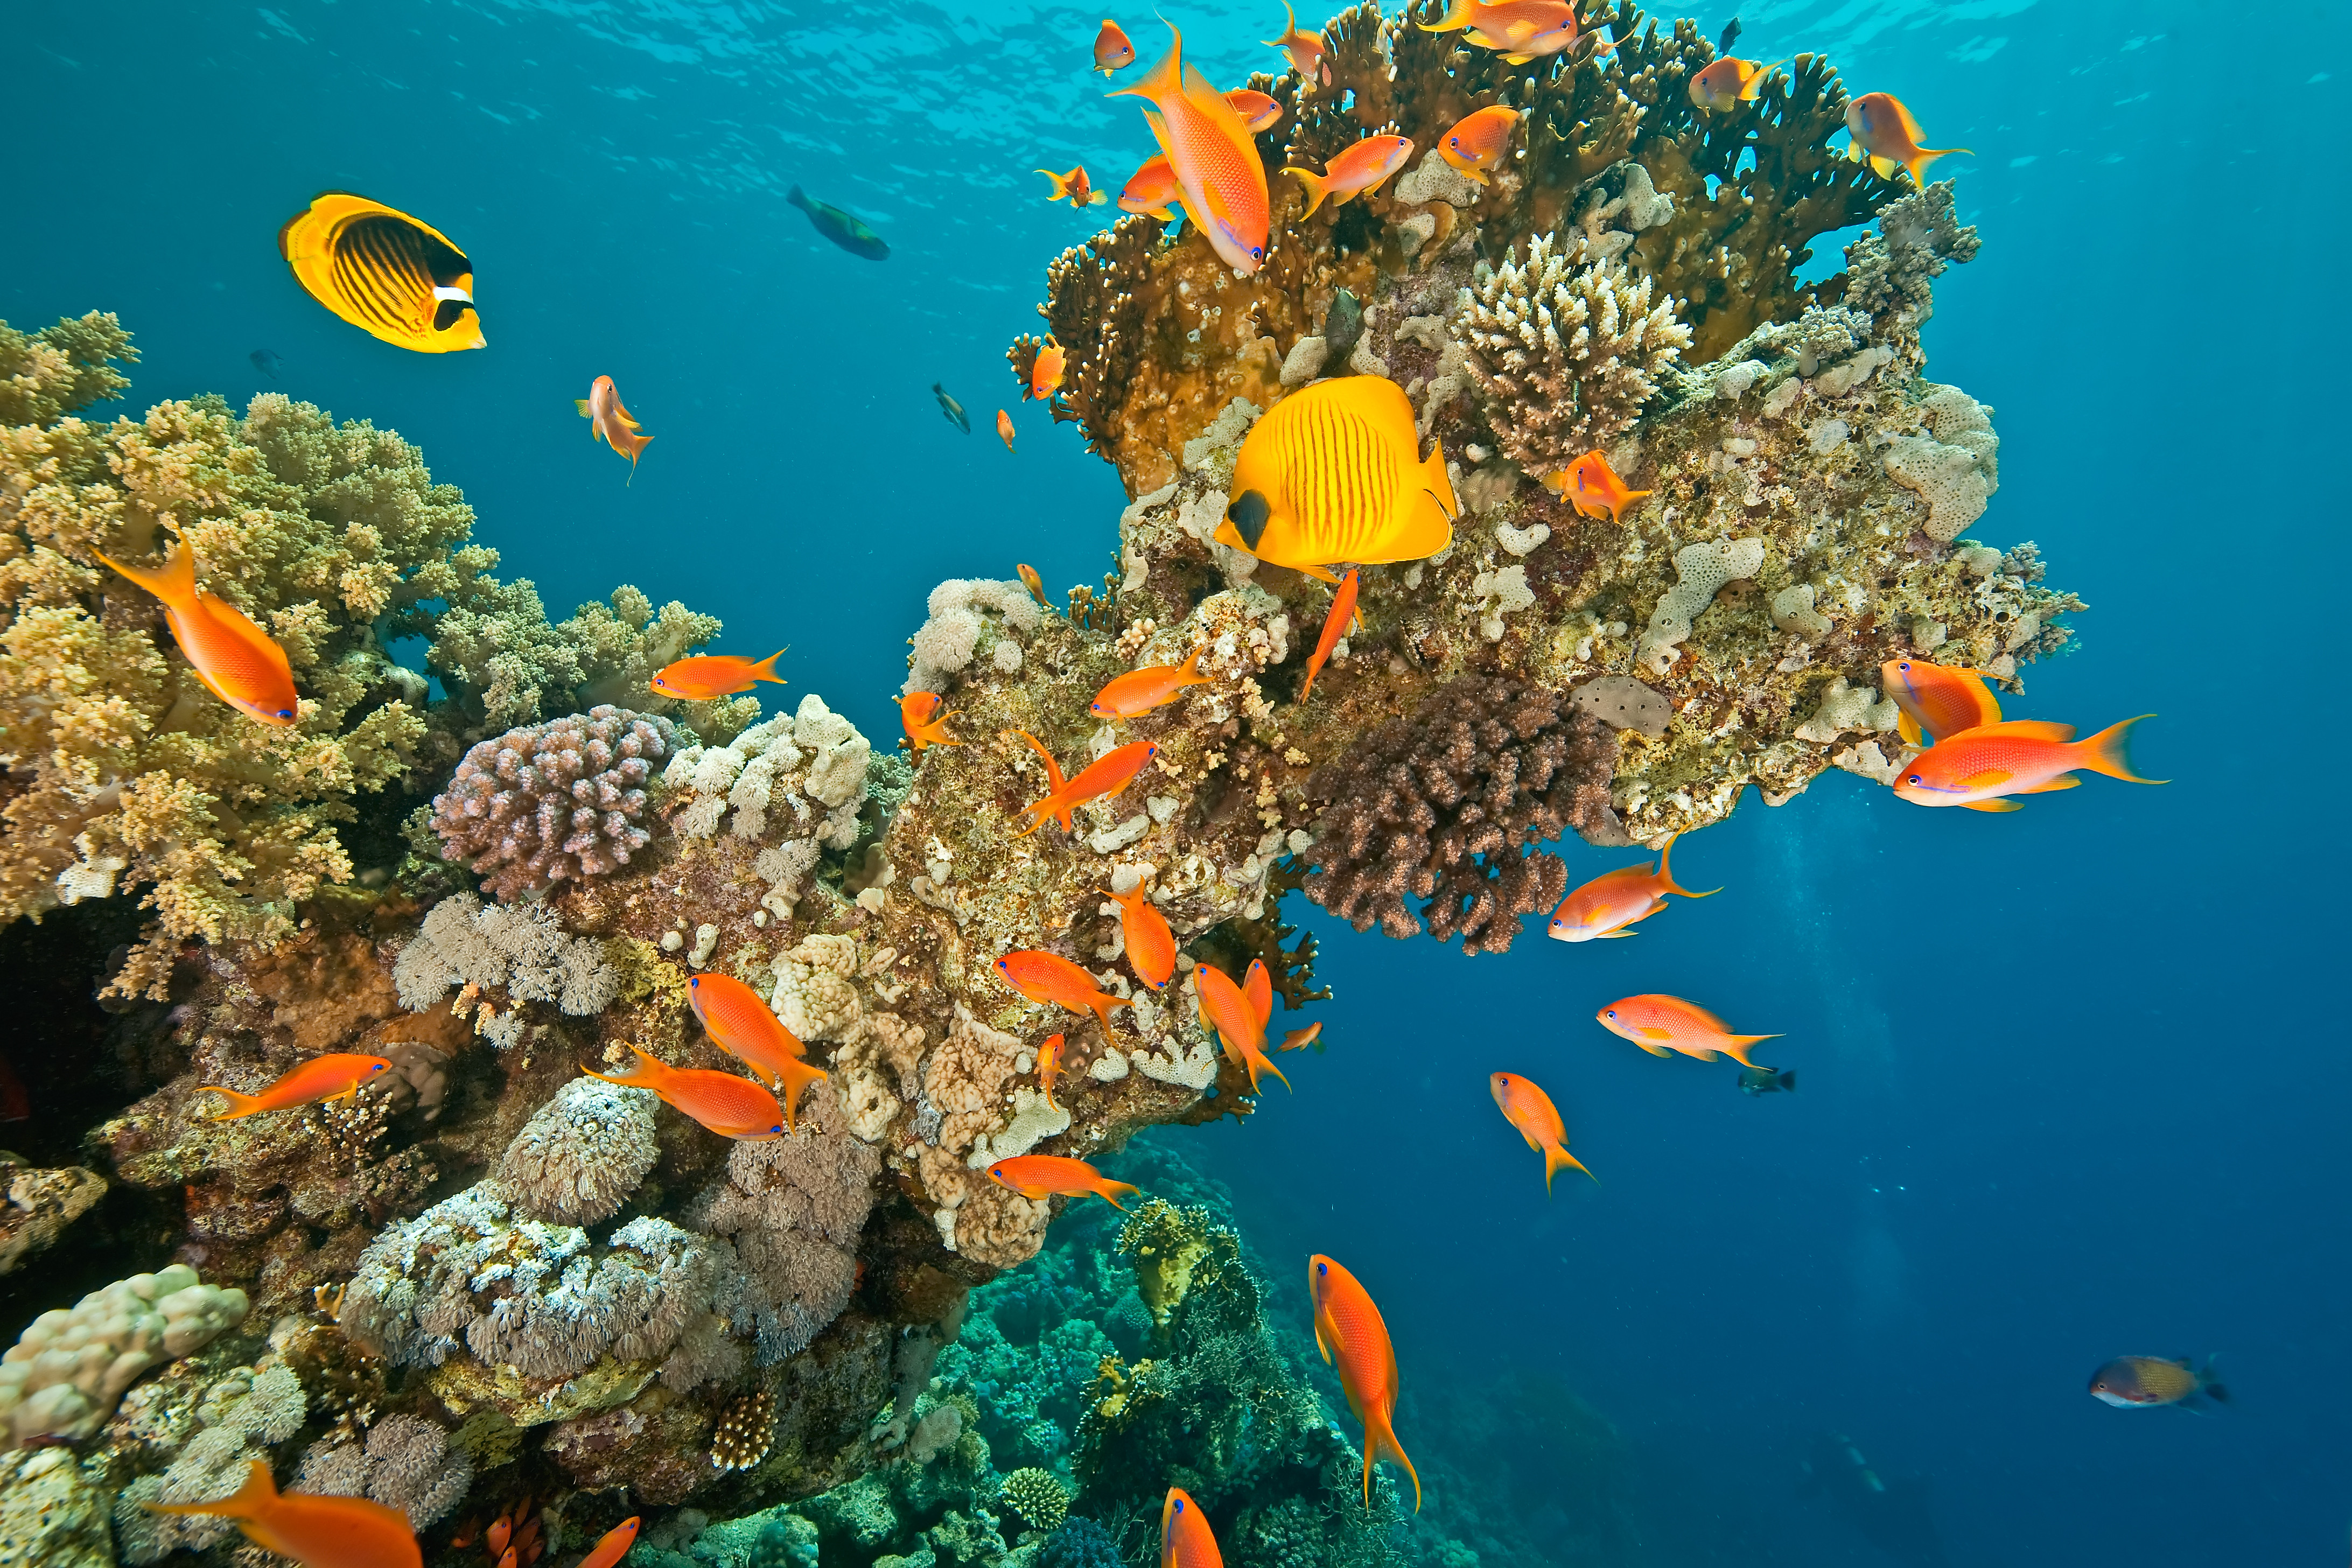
point(545, 803)
point(63, 1375)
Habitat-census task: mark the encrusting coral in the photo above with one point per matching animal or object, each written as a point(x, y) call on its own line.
point(63, 1375)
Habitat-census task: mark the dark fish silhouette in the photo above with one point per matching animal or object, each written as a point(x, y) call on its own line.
point(1892, 1513)
point(265, 362)
point(1731, 36)
point(952, 408)
point(1768, 1080)
point(843, 230)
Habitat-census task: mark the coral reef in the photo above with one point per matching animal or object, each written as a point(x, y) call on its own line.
point(581, 1153)
point(41, 1203)
point(547, 802)
point(63, 1375)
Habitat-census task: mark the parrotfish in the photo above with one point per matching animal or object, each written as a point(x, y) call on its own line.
point(1353, 1339)
point(1938, 701)
point(1609, 903)
point(334, 1077)
point(1359, 169)
point(1141, 690)
point(1335, 623)
point(1661, 1024)
point(1108, 775)
point(1530, 1110)
point(238, 661)
point(925, 725)
point(1334, 473)
point(1220, 177)
point(1152, 190)
point(1049, 1067)
point(2148, 1381)
point(844, 229)
point(1976, 768)
point(1046, 978)
point(713, 675)
point(316, 1531)
point(1259, 110)
point(612, 1545)
point(1037, 1177)
point(267, 361)
point(741, 1023)
point(727, 1104)
point(395, 277)
point(1303, 49)
point(1299, 1039)
point(1004, 428)
point(952, 408)
point(1045, 372)
point(1593, 488)
point(1728, 83)
point(1239, 1020)
point(1113, 51)
point(1478, 141)
point(1073, 187)
point(610, 422)
point(1884, 132)
point(1185, 1539)
point(1761, 1079)
point(1143, 930)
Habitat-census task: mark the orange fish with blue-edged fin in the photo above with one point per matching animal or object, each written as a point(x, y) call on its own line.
point(1152, 190)
point(1979, 768)
point(1334, 473)
point(395, 277)
point(1141, 690)
point(1336, 621)
point(315, 1531)
point(1608, 905)
point(1259, 110)
point(1303, 49)
point(1884, 133)
point(337, 1076)
point(1937, 699)
point(1477, 142)
point(1049, 978)
point(1049, 1067)
point(1004, 428)
point(713, 675)
point(919, 715)
point(1040, 1177)
point(1107, 774)
point(1144, 930)
point(728, 1104)
point(1074, 187)
point(1238, 1018)
point(1185, 1539)
point(1220, 178)
point(1661, 1024)
point(1113, 50)
point(1728, 83)
point(612, 1545)
point(238, 661)
point(741, 1023)
point(1359, 169)
point(1593, 488)
point(1354, 1341)
point(1530, 1108)
point(1045, 370)
point(612, 423)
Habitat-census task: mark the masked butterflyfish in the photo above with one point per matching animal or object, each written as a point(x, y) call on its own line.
point(1335, 473)
point(386, 273)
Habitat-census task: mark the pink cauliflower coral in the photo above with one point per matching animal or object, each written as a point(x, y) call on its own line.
point(547, 802)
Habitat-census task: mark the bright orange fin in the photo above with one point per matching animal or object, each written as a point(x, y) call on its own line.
point(2103, 752)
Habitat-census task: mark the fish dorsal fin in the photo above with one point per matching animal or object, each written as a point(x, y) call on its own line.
point(2029, 729)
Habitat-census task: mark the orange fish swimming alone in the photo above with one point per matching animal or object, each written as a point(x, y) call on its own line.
point(1530, 1110)
point(1152, 190)
point(334, 1077)
point(1073, 187)
point(919, 715)
point(237, 660)
point(1609, 903)
point(1304, 50)
point(1141, 690)
point(1353, 1339)
point(1259, 110)
point(612, 1545)
point(1035, 583)
point(712, 675)
point(1728, 83)
point(1978, 768)
point(610, 422)
point(1113, 51)
point(1478, 141)
point(1336, 622)
point(1238, 1019)
point(1143, 930)
point(1660, 1023)
point(1593, 488)
point(1185, 1539)
point(1037, 1177)
point(1361, 168)
point(316, 1531)
point(730, 1105)
point(1049, 1067)
point(1884, 132)
point(1046, 978)
point(1045, 372)
point(1220, 180)
point(1937, 699)
point(1108, 775)
point(1004, 428)
point(741, 1023)
point(1299, 1039)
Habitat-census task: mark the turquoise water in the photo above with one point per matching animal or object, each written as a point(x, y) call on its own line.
point(2072, 1080)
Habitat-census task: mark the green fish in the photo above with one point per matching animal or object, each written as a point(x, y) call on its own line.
point(1768, 1080)
point(845, 231)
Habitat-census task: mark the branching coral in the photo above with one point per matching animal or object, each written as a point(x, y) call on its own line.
point(548, 802)
point(520, 947)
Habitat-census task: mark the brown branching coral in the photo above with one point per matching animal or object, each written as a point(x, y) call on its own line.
point(1889, 270)
point(1095, 313)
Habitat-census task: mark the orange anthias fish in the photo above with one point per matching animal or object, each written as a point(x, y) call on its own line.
point(1151, 190)
point(1045, 372)
point(1073, 187)
point(1035, 583)
point(1728, 83)
point(1520, 30)
point(1884, 132)
point(1593, 488)
point(1151, 945)
point(610, 422)
point(1259, 110)
point(1938, 701)
point(614, 1545)
point(1304, 50)
point(1035, 1176)
point(1335, 623)
point(336, 1077)
point(1353, 1339)
point(712, 675)
point(1361, 168)
point(730, 1105)
point(1220, 178)
point(1609, 903)
point(1141, 690)
point(1113, 51)
point(235, 660)
point(1185, 1538)
point(316, 1531)
point(1299, 1039)
point(1108, 775)
point(1004, 428)
point(1045, 977)
point(1049, 1067)
point(1976, 768)
point(1238, 1018)
point(1660, 1023)
point(919, 715)
point(1478, 141)
point(1530, 1110)
point(739, 1021)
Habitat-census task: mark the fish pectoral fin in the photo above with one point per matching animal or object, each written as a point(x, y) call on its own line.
point(2063, 781)
point(1656, 1034)
point(1983, 778)
point(1908, 728)
point(581, 405)
point(1992, 806)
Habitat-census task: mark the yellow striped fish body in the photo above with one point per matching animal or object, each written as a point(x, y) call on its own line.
point(1335, 473)
point(386, 273)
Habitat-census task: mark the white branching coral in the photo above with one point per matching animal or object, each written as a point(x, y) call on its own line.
point(518, 946)
point(970, 616)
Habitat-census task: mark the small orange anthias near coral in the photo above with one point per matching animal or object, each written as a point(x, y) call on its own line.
point(1979, 768)
point(741, 1023)
point(713, 675)
point(1239, 1014)
point(1355, 1341)
point(919, 715)
point(1151, 190)
point(1185, 1539)
point(1108, 775)
point(1609, 903)
point(1113, 51)
point(1336, 624)
point(1259, 110)
point(1049, 1067)
point(1304, 51)
point(1073, 187)
point(730, 1105)
point(1477, 142)
point(610, 422)
point(1361, 168)
point(1045, 372)
point(1661, 1023)
point(1141, 690)
point(1938, 701)
point(1728, 83)
point(1037, 1177)
point(612, 1545)
point(316, 1531)
point(1593, 488)
point(237, 660)
point(334, 1077)
point(1209, 145)
point(1143, 931)
point(1049, 977)
point(1530, 1110)
point(1885, 133)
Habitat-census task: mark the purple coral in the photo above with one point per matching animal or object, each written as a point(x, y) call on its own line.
point(547, 802)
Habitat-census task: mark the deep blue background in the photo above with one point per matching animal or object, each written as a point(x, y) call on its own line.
point(2071, 1080)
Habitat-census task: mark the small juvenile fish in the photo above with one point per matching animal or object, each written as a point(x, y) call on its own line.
point(1073, 187)
point(1035, 584)
point(1151, 190)
point(1185, 1539)
point(612, 1545)
point(267, 361)
point(1661, 1023)
point(1937, 699)
point(741, 1023)
point(1113, 51)
point(713, 675)
point(1593, 488)
point(1978, 768)
point(1141, 690)
point(1361, 168)
point(1259, 110)
point(1221, 179)
point(1335, 623)
point(1045, 372)
point(952, 408)
point(919, 715)
point(1884, 131)
point(844, 229)
point(1035, 1176)
point(1049, 1067)
point(1238, 1019)
point(315, 1531)
point(334, 1077)
point(610, 422)
point(1761, 1079)
point(237, 660)
point(1004, 428)
point(1299, 1039)
point(2146, 1381)
point(1609, 903)
point(1728, 83)
point(1304, 50)
point(1333, 473)
point(1046, 978)
point(1530, 1110)
point(1354, 1340)
point(1108, 775)
point(1151, 945)
point(730, 1105)
point(1479, 141)
point(395, 277)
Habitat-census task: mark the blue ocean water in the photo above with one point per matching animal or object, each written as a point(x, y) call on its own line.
point(2072, 1080)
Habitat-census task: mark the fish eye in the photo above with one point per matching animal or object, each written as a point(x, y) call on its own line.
point(1904, 665)
point(1611, 1013)
point(1915, 778)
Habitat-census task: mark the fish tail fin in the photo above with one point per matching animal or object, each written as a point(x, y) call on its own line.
point(1314, 184)
point(1102, 1002)
point(1384, 1443)
point(238, 1104)
point(1558, 1159)
point(175, 582)
point(1666, 875)
point(1457, 15)
point(1917, 163)
point(651, 1070)
point(1308, 690)
point(766, 668)
point(2208, 1385)
point(1163, 80)
point(797, 199)
point(2104, 753)
point(1190, 669)
point(1108, 1191)
point(1736, 1046)
point(1258, 1062)
point(246, 1502)
point(795, 1076)
point(1787, 1079)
